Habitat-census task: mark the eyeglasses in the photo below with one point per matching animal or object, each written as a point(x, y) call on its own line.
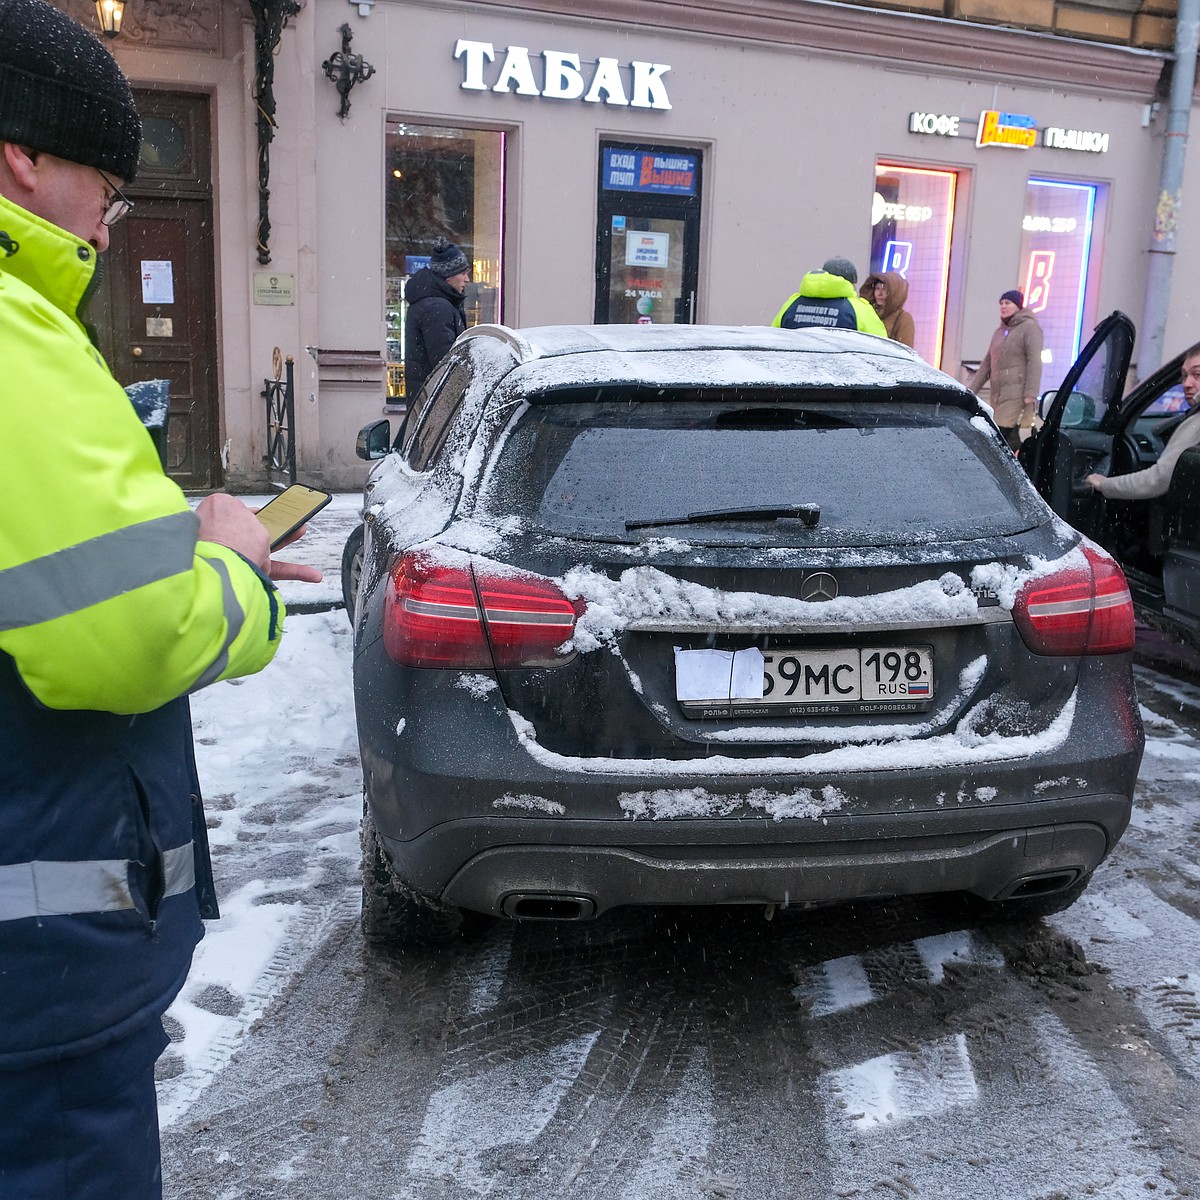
point(116, 205)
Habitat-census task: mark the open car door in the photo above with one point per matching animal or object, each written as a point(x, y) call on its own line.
point(1075, 437)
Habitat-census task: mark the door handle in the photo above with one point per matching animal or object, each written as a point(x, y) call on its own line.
point(137, 352)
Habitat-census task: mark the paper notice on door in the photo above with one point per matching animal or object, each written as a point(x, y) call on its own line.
point(643, 249)
point(158, 281)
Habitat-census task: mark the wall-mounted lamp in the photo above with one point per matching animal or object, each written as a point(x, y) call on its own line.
point(110, 14)
point(344, 70)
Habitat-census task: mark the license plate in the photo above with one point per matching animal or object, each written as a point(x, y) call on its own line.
point(821, 676)
point(831, 680)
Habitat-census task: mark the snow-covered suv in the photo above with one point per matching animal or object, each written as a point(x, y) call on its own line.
point(700, 615)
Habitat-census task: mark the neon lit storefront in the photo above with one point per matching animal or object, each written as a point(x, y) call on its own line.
point(1057, 250)
point(912, 216)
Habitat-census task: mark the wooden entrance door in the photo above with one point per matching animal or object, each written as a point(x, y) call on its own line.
point(155, 308)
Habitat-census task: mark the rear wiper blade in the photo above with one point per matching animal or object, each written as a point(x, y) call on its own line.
point(810, 514)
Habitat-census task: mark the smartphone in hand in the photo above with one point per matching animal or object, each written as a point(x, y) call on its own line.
point(285, 513)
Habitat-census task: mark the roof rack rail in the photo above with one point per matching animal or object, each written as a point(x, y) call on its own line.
point(502, 333)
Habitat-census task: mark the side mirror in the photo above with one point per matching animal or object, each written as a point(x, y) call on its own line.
point(374, 440)
point(1044, 401)
point(151, 400)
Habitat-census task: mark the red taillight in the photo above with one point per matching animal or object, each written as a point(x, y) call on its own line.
point(431, 616)
point(1083, 609)
point(469, 617)
point(528, 619)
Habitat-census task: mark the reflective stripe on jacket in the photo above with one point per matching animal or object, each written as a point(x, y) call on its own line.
point(111, 611)
point(62, 889)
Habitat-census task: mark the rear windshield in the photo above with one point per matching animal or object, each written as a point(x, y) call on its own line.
point(878, 473)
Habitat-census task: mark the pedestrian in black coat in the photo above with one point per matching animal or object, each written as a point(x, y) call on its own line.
point(435, 312)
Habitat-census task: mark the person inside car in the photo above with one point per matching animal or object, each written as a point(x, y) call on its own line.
point(1155, 480)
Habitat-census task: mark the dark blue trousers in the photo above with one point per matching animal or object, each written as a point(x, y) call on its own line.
point(85, 1128)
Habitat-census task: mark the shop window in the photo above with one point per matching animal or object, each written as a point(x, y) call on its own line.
point(912, 216)
point(1057, 257)
point(441, 182)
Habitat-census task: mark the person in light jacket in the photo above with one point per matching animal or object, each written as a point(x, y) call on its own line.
point(1013, 363)
point(1155, 480)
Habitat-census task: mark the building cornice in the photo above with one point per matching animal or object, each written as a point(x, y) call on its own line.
point(900, 41)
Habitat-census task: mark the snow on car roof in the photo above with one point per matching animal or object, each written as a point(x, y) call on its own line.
point(565, 356)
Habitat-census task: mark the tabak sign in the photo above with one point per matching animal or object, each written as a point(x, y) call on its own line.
point(562, 76)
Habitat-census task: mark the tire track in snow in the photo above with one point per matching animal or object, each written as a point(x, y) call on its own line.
point(624, 1101)
point(1152, 951)
point(282, 809)
point(221, 1037)
point(966, 1098)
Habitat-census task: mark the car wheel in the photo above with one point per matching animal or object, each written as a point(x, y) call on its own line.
point(352, 558)
point(392, 914)
point(1029, 908)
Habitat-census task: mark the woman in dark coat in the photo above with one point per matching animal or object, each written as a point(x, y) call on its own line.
point(435, 296)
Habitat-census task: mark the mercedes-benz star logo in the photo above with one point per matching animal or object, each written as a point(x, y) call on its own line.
point(818, 586)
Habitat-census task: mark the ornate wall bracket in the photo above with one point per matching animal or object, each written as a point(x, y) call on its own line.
point(344, 69)
point(270, 18)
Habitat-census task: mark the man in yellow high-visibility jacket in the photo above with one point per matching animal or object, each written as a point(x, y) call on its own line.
point(827, 299)
point(116, 601)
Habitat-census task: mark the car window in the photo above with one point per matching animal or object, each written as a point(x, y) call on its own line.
point(431, 433)
point(879, 472)
point(419, 406)
point(1171, 401)
point(1085, 405)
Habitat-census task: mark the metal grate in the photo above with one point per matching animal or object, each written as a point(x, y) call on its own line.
point(280, 458)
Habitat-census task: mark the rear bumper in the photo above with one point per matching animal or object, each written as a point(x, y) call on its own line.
point(483, 864)
point(470, 813)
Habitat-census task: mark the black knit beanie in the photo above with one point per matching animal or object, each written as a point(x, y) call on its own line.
point(447, 259)
point(843, 267)
point(61, 91)
point(1014, 296)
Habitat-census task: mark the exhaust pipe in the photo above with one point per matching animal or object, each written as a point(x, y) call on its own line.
point(1040, 885)
point(547, 906)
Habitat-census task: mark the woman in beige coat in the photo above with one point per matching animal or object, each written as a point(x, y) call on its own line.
point(1013, 363)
